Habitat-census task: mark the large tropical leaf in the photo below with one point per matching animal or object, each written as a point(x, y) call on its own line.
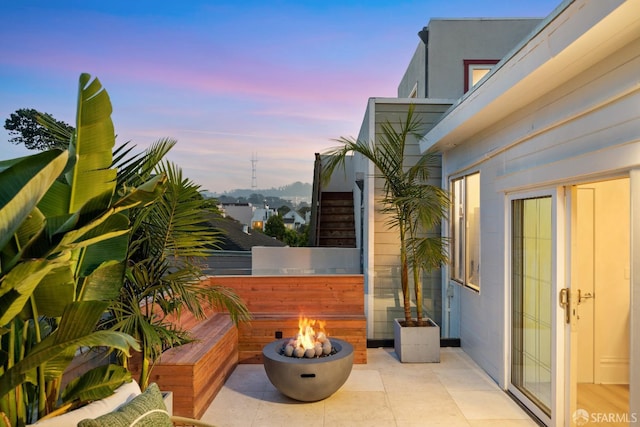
point(19, 284)
point(96, 384)
point(23, 182)
point(145, 194)
point(55, 291)
point(17, 374)
point(105, 227)
point(113, 249)
point(29, 232)
point(56, 351)
point(104, 283)
point(93, 145)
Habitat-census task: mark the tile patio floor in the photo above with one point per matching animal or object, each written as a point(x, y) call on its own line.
point(383, 392)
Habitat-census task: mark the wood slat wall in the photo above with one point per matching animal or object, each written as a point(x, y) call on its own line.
point(276, 302)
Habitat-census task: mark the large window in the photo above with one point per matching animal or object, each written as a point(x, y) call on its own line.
point(465, 231)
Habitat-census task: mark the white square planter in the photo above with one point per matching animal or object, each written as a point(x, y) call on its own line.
point(417, 344)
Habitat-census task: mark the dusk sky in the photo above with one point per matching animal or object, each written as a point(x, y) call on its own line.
point(227, 79)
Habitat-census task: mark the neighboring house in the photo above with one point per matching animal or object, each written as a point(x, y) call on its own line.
point(293, 220)
point(233, 256)
point(542, 157)
point(247, 214)
point(261, 216)
point(453, 54)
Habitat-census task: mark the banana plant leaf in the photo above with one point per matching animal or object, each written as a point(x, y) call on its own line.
point(29, 232)
point(23, 183)
point(19, 284)
point(56, 351)
point(103, 228)
point(78, 320)
point(146, 193)
point(104, 283)
point(96, 384)
point(93, 145)
point(17, 374)
point(55, 291)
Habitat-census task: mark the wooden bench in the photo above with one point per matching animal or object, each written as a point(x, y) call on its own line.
point(276, 302)
point(196, 372)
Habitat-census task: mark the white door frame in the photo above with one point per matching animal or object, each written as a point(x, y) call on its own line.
point(634, 309)
point(634, 315)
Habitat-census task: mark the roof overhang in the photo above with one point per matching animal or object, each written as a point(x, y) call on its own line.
point(578, 34)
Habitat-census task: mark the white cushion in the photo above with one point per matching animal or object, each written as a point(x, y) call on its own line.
point(123, 394)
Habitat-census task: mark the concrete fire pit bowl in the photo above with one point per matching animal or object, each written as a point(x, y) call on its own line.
point(308, 380)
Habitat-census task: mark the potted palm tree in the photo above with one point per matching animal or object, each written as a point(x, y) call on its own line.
point(414, 209)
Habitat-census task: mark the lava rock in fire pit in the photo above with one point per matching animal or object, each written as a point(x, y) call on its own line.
point(322, 347)
point(308, 379)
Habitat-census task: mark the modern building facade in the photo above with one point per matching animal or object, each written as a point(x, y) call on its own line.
point(447, 51)
point(538, 126)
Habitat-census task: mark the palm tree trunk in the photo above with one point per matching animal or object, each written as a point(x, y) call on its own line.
point(404, 279)
point(417, 286)
point(144, 373)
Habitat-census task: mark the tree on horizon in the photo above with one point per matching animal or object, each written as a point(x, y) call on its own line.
point(37, 130)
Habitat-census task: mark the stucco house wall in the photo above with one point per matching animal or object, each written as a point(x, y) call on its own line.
point(415, 75)
point(437, 66)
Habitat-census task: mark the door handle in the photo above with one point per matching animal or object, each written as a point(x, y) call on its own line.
point(587, 295)
point(565, 302)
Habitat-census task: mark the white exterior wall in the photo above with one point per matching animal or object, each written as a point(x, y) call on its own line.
point(276, 261)
point(564, 110)
point(241, 213)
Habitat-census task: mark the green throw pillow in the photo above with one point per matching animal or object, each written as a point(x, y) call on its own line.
point(146, 409)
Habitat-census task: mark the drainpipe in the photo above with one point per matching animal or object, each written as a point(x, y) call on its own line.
point(424, 36)
point(360, 184)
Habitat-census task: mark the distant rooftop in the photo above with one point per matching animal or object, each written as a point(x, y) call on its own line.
point(235, 239)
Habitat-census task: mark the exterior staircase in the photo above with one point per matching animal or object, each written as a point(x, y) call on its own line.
point(336, 224)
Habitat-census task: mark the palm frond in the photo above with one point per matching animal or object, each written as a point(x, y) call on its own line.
point(134, 170)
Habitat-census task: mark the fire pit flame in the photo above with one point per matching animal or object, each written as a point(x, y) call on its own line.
point(308, 343)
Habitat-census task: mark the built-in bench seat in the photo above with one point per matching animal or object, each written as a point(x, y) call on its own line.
point(196, 372)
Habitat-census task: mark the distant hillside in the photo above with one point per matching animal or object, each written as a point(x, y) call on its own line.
point(297, 189)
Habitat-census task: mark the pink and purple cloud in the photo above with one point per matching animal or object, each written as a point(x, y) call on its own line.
point(226, 79)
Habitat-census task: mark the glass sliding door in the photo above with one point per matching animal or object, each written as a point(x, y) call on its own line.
point(532, 299)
